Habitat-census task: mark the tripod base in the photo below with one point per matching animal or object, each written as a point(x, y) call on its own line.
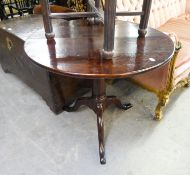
point(98, 102)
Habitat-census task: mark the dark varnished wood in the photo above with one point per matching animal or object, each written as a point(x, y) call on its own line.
point(109, 25)
point(144, 17)
point(78, 50)
point(107, 18)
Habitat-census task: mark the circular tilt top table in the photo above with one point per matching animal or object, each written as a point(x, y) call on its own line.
point(76, 51)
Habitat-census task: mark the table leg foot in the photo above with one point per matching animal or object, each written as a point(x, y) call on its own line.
point(83, 101)
point(123, 106)
point(117, 103)
point(103, 161)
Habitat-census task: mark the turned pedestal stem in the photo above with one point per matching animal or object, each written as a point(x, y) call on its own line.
point(98, 102)
point(99, 94)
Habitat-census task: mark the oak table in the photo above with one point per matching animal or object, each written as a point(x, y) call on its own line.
point(76, 51)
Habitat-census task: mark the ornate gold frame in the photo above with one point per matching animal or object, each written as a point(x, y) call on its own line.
point(164, 95)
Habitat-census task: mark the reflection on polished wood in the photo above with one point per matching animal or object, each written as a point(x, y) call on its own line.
point(106, 16)
point(77, 52)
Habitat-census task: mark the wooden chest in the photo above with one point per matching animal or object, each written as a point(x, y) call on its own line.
point(56, 90)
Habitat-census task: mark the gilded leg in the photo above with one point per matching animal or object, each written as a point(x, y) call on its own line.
point(164, 96)
point(163, 100)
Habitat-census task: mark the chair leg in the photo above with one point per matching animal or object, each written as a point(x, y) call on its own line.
point(163, 98)
point(144, 18)
point(20, 13)
point(30, 11)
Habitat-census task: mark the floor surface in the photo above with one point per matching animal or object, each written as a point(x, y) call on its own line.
point(34, 141)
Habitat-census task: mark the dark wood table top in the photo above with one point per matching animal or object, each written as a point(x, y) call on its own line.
point(77, 50)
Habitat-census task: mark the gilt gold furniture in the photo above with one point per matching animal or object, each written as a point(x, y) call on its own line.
point(172, 17)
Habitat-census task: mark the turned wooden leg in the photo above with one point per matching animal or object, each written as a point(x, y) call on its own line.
point(109, 26)
point(99, 94)
point(100, 125)
point(47, 20)
point(144, 18)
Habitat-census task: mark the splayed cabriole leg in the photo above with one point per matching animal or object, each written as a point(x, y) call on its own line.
point(144, 18)
point(163, 100)
point(98, 102)
point(164, 97)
